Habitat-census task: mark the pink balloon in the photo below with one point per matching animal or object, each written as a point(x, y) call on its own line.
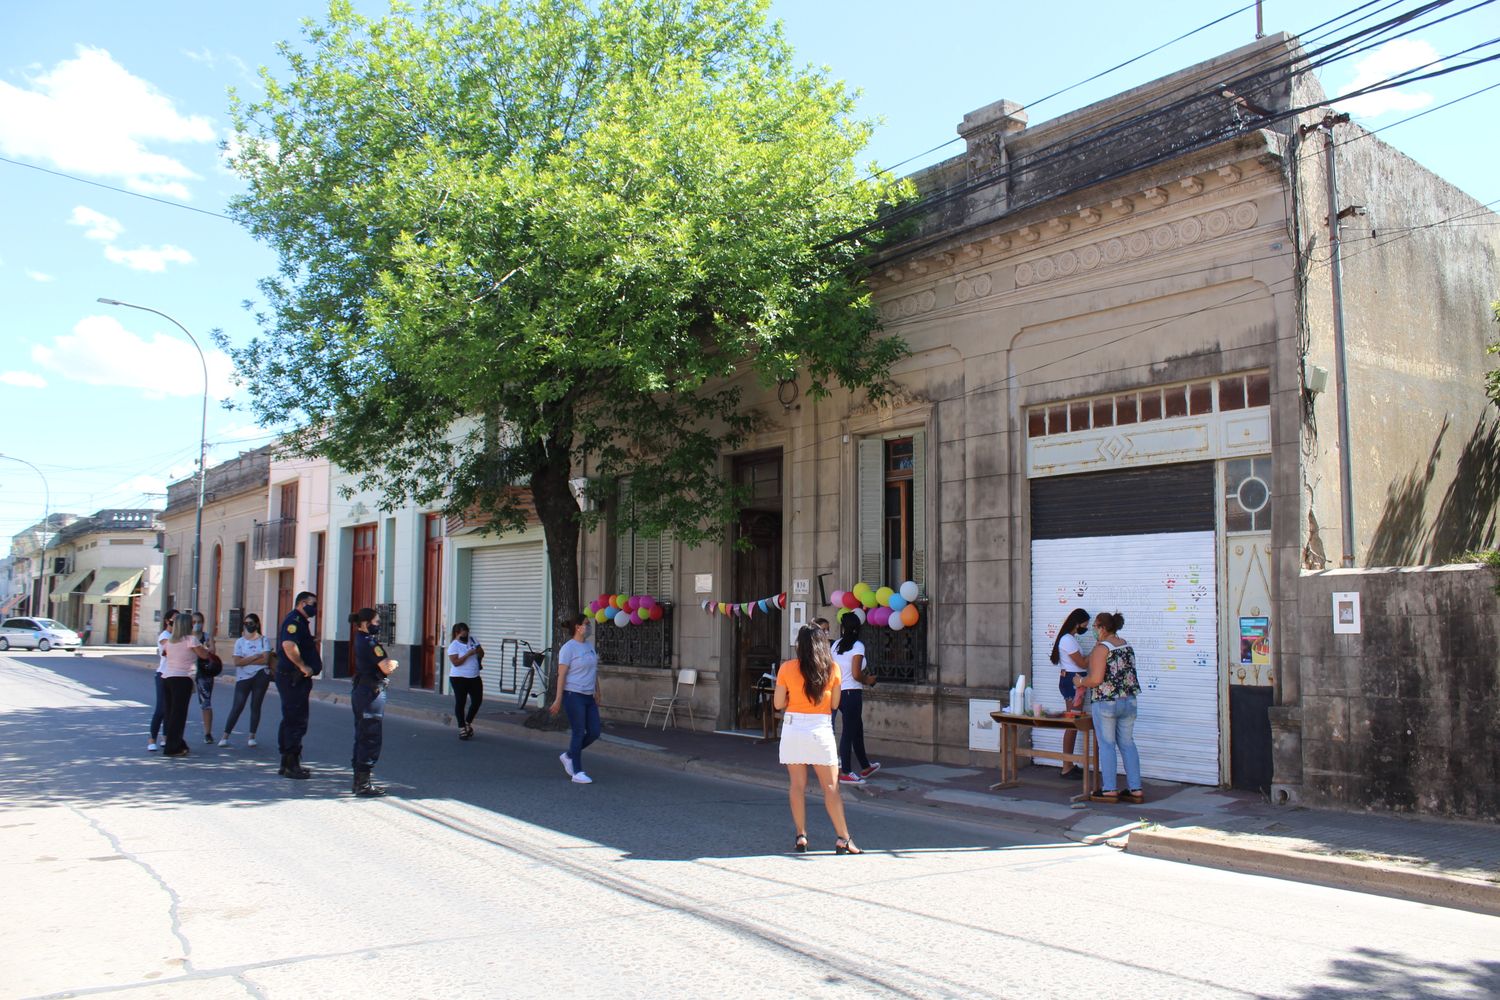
point(878, 616)
point(647, 601)
point(836, 599)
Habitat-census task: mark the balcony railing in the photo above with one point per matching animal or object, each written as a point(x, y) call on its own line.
point(899, 657)
point(646, 645)
point(275, 539)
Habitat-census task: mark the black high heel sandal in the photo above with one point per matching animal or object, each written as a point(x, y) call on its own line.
point(800, 844)
point(845, 845)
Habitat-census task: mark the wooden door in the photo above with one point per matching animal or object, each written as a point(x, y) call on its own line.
point(362, 577)
point(284, 583)
point(759, 641)
point(432, 601)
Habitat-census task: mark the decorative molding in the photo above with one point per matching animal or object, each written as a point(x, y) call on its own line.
point(1029, 234)
point(1139, 244)
point(1230, 174)
point(1058, 226)
point(1123, 205)
point(1089, 216)
point(966, 288)
point(1191, 185)
point(900, 397)
point(1155, 196)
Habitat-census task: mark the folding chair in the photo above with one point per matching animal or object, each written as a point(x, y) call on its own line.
point(687, 678)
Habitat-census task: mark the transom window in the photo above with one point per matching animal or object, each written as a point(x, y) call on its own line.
point(1187, 399)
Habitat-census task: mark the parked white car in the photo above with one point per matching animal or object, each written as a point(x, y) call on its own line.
point(37, 633)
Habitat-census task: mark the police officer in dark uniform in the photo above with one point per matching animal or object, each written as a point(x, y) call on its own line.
point(372, 665)
point(298, 661)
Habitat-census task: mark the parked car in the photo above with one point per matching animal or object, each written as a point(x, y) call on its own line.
point(37, 633)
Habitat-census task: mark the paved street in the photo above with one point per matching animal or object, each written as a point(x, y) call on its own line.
point(487, 874)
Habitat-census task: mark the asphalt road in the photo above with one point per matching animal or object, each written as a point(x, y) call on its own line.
point(486, 873)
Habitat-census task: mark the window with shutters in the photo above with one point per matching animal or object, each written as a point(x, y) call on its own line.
point(642, 562)
point(892, 509)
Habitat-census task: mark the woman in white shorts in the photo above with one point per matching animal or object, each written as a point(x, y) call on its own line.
point(807, 690)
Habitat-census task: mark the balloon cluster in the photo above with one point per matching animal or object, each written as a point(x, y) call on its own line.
point(884, 607)
point(625, 609)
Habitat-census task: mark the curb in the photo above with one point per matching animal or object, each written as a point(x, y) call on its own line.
point(1212, 849)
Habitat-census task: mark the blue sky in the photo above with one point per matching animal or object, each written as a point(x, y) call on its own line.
point(132, 96)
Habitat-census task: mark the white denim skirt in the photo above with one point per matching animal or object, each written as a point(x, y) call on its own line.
point(808, 739)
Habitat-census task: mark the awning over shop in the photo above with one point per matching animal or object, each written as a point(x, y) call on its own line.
point(9, 604)
point(112, 586)
point(70, 585)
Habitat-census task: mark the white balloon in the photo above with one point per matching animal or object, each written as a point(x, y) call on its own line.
point(622, 619)
point(895, 623)
point(860, 614)
point(910, 591)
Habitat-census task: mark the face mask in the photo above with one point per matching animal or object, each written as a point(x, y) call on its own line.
point(372, 628)
point(310, 609)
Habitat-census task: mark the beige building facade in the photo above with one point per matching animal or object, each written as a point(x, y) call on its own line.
point(1118, 397)
point(109, 593)
point(229, 584)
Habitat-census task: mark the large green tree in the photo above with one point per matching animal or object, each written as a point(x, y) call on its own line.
point(522, 239)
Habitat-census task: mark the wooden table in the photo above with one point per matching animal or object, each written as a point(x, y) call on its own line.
point(1011, 751)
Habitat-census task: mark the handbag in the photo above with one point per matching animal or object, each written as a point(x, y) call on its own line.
point(211, 667)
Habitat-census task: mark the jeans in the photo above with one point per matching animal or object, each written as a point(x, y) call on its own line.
point(161, 708)
point(470, 689)
point(1114, 724)
point(253, 691)
point(177, 694)
point(583, 718)
point(852, 731)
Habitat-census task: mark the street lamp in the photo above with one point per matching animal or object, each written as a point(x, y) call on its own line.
point(46, 539)
point(202, 440)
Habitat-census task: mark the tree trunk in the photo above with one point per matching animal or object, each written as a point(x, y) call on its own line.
point(558, 511)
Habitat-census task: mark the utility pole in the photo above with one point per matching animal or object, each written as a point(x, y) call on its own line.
point(1260, 21)
point(1341, 367)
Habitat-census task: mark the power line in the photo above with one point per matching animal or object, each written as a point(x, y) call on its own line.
point(116, 190)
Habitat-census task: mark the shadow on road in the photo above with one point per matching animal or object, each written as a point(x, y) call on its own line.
point(1371, 973)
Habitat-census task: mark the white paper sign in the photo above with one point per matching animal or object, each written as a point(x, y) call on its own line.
point(703, 583)
point(1346, 613)
point(800, 587)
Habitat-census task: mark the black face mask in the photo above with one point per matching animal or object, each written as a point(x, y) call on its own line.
point(372, 628)
point(252, 627)
point(310, 609)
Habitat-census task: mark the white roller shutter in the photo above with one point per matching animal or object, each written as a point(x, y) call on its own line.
point(1164, 586)
point(507, 594)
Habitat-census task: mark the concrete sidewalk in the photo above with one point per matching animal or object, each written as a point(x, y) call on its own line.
point(1448, 863)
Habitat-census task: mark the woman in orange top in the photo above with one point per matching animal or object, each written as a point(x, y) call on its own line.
point(807, 689)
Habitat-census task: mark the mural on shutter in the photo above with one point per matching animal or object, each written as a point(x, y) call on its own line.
point(871, 508)
point(918, 511)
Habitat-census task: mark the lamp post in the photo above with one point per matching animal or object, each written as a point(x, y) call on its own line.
point(202, 441)
point(46, 539)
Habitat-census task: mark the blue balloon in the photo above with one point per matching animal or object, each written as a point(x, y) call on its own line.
point(897, 602)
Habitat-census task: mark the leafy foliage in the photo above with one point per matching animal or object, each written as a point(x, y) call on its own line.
point(1492, 377)
point(521, 238)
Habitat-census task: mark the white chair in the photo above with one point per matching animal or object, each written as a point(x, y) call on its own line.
point(687, 678)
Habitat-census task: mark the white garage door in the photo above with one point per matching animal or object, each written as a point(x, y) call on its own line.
point(508, 597)
point(1164, 586)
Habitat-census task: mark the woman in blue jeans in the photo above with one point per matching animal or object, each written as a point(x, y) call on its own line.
point(1112, 676)
point(578, 695)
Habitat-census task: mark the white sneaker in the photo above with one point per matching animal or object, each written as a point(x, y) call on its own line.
point(567, 762)
point(151, 746)
point(250, 742)
point(582, 779)
point(224, 742)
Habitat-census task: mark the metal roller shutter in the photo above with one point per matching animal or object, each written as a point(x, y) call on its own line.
point(1129, 502)
point(1164, 586)
point(507, 594)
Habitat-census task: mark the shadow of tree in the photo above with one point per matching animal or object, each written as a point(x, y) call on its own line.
point(1372, 973)
point(1465, 517)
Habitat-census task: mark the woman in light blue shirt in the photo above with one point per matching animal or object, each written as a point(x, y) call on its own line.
point(578, 695)
point(252, 661)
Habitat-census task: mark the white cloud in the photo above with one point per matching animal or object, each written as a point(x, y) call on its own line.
point(39, 276)
point(149, 258)
point(204, 56)
point(23, 380)
point(89, 115)
point(101, 352)
point(97, 225)
point(1392, 58)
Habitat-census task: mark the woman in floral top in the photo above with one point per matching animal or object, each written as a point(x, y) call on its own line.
point(1112, 676)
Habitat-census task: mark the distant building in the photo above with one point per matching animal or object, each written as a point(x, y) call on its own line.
point(110, 573)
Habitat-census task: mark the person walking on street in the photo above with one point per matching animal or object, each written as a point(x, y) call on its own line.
point(807, 689)
point(298, 661)
point(467, 659)
point(1113, 679)
point(167, 621)
point(578, 695)
point(371, 668)
point(203, 680)
point(1068, 656)
point(849, 653)
point(183, 650)
point(253, 658)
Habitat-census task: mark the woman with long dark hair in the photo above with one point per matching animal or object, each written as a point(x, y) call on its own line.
point(466, 659)
point(849, 653)
point(252, 661)
point(182, 653)
point(578, 695)
point(1113, 679)
point(1068, 656)
point(807, 689)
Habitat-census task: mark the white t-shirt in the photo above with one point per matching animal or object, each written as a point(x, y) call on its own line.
point(166, 634)
point(245, 646)
point(468, 668)
point(846, 665)
point(1069, 644)
point(583, 666)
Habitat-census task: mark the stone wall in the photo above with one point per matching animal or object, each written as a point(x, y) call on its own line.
point(1405, 715)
